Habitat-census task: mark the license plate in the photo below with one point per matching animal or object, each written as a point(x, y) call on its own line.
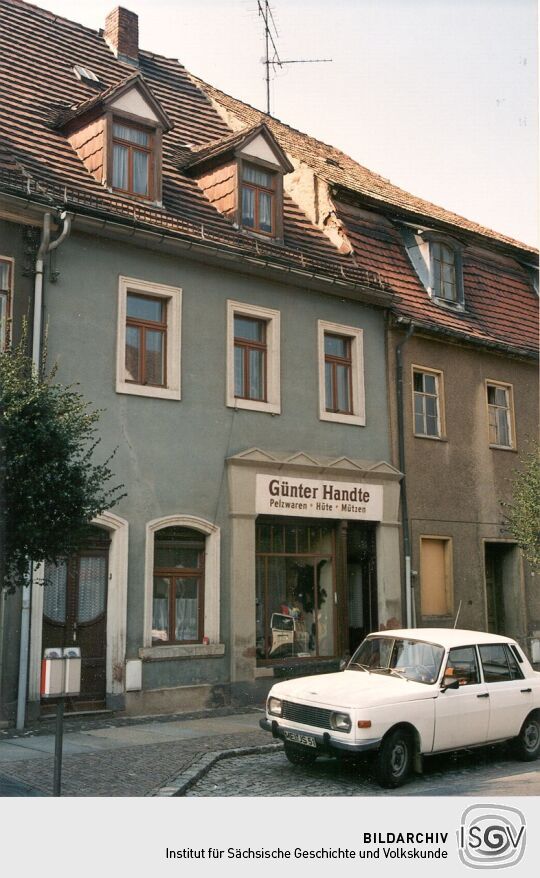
point(298, 738)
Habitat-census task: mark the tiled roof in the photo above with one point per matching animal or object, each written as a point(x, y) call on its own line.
point(38, 51)
point(341, 170)
point(37, 54)
point(501, 308)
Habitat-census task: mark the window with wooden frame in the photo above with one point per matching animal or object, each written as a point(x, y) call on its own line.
point(443, 260)
point(428, 403)
point(249, 358)
point(149, 334)
point(253, 357)
point(500, 415)
point(258, 199)
point(436, 577)
point(6, 292)
point(178, 596)
point(132, 159)
point(341, 373)
point(338, 373)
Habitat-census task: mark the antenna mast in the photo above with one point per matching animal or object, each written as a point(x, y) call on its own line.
point(265, 13)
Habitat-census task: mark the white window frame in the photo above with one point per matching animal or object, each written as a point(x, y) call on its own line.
point(272, 403)
point(439, 383)
point(4, 333)
point(510, 419)
point(173, 296)
point(356, 336)
point(211, 590)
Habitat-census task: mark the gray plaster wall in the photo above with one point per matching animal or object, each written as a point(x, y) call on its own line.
point(171, 455)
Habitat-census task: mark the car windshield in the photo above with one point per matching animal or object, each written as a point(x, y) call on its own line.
point(399, 657)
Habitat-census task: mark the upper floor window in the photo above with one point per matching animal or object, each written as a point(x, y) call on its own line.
point(132, 153)
point(253, 357)
point(149, 335)
point(428, 403)
point(250, 355)
point(341, 373)
point(338, 373)
point(6, 288)
point(500, 414)
point(146, 339)
point(258, 196)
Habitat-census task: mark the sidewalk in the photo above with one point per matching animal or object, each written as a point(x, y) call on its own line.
point(120, 757)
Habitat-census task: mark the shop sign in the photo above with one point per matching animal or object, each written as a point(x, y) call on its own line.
point(314, 498)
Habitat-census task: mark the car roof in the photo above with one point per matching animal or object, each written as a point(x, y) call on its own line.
point(445, 636)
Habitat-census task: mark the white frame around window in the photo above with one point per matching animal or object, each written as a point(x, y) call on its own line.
point(173, 295)
point(509, 408)
point(356, 336)
point(4, 334)
point(272, 403)
point(439, 396)
point(211, 589)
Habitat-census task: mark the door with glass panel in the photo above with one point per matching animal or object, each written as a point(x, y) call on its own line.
point(75, 613)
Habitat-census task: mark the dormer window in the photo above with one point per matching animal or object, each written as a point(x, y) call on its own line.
point(132, 153)
point(242, 177)
point(437, 259)
point(443, 261)
point(258, 196)
point(117, 134)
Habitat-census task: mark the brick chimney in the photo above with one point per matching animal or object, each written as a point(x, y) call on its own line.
point(122, 34)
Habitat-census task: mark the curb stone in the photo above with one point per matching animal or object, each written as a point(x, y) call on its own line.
point(198, 768)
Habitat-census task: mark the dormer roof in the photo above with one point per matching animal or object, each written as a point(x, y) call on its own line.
point(256, 141)
point(131, 94)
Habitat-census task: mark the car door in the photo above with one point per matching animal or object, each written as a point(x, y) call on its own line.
point(462, 714)
point(510, 698)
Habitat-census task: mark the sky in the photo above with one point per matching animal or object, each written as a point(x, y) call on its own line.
point(440, 96)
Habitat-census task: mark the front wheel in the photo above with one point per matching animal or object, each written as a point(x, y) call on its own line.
point(528, 740)
point(394, 759)
point(299, 755)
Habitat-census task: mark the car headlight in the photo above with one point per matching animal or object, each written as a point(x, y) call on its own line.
point(274, 706)
point(341, 722)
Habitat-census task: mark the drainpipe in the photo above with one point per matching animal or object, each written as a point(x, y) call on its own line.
point(410, 614)
point(44, 248)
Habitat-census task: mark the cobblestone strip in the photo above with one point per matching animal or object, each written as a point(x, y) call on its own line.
point(199, 767)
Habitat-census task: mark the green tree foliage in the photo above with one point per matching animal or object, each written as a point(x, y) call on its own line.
point(50, 485)
point(523, 513)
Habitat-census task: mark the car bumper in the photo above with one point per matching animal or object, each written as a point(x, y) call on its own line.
point(325, 744)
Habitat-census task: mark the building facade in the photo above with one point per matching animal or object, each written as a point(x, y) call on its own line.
point(207, 285)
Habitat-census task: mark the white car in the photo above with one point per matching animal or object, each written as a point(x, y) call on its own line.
point(409, 693)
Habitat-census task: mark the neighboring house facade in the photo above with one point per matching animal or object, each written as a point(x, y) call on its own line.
point(210, 296)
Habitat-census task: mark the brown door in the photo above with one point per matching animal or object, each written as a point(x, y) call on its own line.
point(75, 614)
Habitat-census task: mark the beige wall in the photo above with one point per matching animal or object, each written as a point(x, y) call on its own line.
point(455, 486)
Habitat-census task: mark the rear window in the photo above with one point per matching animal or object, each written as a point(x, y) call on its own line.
point(499, 663)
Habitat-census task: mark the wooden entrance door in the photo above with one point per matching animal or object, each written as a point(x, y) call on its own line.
point(75, 614)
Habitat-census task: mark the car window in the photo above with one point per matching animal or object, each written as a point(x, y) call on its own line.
point(498, 663)
point(462, 665)
point(515, 670)
point(411, 659)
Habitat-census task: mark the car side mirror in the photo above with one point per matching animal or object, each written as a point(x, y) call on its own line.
point(449, 683)
point(343, 664)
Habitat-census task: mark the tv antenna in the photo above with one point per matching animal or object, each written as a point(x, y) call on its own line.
point(271, 58)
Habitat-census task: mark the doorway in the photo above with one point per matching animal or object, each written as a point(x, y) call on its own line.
point(75, 614)
point(502, 588)
point(361, 582)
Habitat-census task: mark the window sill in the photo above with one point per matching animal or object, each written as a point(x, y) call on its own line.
point(337, 418)
point(177, 650)
point(147, 390)
point(504, 448)
point(255, 405)
point(425, 436)
point(450, 306)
